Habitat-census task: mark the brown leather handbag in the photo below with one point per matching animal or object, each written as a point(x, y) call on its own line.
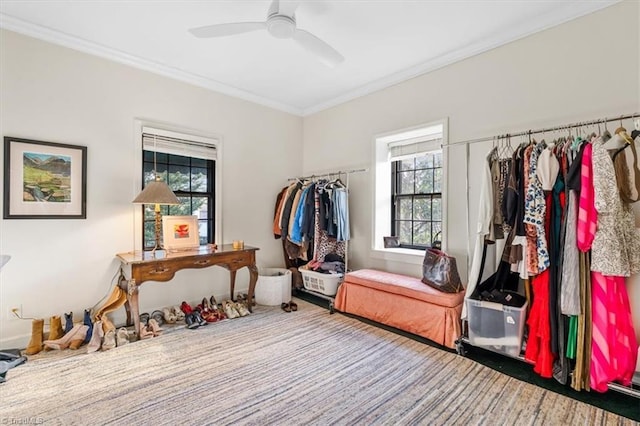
point(440, 271)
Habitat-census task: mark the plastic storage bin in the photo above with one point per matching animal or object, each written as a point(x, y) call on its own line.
point(495, 326)
point(273, 286)
point(326, 284)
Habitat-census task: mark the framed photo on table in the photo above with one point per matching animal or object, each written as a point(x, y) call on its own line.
point(44, 180)
point(180, 232)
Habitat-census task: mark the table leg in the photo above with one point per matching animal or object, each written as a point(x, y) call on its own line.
point(253, 272)
point(133, 309)
point(124, 285)
point(232, 283)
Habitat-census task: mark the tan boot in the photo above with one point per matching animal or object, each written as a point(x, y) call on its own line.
point(65, 341)
point(37, 335)
point(55, 330)
point(117, 298)
point(107, 324)
point(78, 339)
point(96, 338)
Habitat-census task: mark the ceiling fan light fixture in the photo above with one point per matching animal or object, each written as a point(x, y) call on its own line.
point(281, 26)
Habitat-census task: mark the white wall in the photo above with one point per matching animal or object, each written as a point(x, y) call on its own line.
point(52, 93)
point(584, 69)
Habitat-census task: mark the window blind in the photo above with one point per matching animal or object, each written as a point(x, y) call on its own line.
point(410, 148)
point(169, 142)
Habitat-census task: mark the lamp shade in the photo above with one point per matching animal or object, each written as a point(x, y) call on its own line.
point(157, 192)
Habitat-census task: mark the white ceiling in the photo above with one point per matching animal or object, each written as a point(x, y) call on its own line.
point(383, 42)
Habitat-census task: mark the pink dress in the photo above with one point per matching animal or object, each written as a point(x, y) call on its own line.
point(615, 254)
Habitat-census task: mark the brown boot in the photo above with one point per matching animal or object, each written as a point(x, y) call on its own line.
point(55, 330)
point(35, 344)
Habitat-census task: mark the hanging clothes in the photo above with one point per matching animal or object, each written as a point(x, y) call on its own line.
point(587, 214)
point(616, 254)
point(277, 232)
point(565, 213)
point(616, 245)
point(483, 229)
point(324, 243)
point(312, 218)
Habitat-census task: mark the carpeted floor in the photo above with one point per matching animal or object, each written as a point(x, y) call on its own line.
point(272, 367)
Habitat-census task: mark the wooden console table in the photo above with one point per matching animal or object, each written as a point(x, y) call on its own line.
point(144, 266)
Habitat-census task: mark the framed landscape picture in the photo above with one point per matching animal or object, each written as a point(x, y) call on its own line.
point(180, 232)
point(44, 180)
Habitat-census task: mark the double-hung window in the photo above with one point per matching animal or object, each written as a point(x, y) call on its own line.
point(410, 186)
point(416, 187)
point(187, 163)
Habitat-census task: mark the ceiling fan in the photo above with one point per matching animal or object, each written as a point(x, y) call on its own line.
point(280, 23)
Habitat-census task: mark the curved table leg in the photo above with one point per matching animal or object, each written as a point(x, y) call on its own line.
point(253, 272)
point(131, 305)
point(232, 283)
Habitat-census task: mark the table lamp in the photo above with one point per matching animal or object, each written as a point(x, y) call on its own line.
point(157, 192)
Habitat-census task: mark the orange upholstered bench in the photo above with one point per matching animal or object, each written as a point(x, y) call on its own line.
point(402, 302)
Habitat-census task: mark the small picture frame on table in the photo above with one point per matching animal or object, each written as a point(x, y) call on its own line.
point(180, 233)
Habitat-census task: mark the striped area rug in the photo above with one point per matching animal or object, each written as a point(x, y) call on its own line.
point(298, 368)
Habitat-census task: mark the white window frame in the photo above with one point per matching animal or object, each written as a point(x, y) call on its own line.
point(181, 133)
point(381, 209)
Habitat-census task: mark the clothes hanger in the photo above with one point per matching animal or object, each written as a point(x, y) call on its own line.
point(636, 127)
point(606, 135)
point(622, 132)
point(502, 146)
point(575, 141)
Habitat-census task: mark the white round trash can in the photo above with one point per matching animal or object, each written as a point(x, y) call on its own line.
point(273, 287)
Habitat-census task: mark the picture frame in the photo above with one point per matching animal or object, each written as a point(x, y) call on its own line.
point(180, 233)
point(44, 180)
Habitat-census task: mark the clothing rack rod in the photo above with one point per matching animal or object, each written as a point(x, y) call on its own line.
point(549, 129)
point(347, 172)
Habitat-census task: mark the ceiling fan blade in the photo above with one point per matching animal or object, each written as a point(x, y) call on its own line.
point(223, 30)
point(327, 54)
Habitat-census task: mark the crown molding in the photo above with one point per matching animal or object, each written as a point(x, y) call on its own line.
point(56, 37)
point(566, 14)
point(569, 12)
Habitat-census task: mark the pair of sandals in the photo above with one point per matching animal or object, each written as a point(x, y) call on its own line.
point(289, 307)
point(235, 309)
point(171, 315)
point(158, 316)
point(150, 326)
point(209, 310)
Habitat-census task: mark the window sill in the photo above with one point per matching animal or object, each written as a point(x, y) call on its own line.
point(403, 255)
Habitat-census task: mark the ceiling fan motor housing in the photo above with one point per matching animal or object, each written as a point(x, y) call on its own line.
point(281, 26)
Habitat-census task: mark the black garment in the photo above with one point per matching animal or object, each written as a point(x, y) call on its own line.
point(309, 217)
point(332, 228)
point(512, 194)
point(520, 231)
point(573, 175)
point(324, 207)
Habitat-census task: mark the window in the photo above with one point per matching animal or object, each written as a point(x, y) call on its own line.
point(188, 165)
point(410, 188)
point(416, 213)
